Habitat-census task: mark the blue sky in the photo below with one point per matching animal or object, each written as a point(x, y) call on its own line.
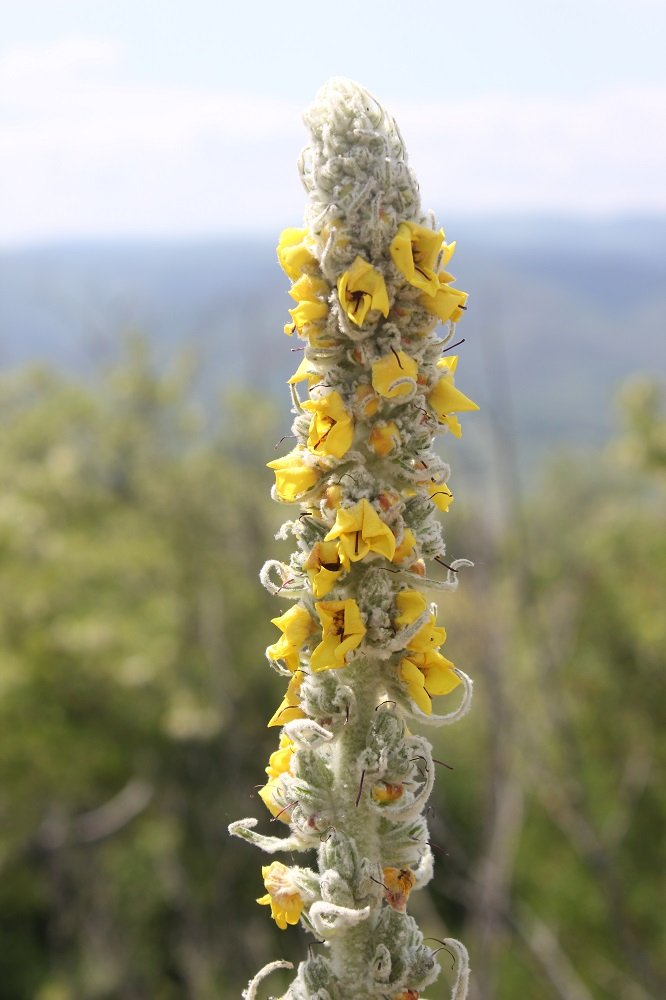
point(172, 118)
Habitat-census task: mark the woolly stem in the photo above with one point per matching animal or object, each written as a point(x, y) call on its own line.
point(351, 949)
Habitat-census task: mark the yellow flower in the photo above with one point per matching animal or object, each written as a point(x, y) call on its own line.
point(294, 251)
point(303, 372)
point(290, 706)
point(398, 883)
point(426, 674)
point(361, 530)
point(361, 289)
point(442, 497)
point(283, 895)
point(325, 565)
point(342, 631)
point(407, 548)
point(278, 764)
point(445, 399)
point(384, 437)
point(296, 626)
point(307, 292)
point(386, 792)
point(414, 252)
point(411, 604)
point(394, 374)
point(333, 496)
point(365, 400)
point(292, 476)
point(331, 427)
point(447, 303)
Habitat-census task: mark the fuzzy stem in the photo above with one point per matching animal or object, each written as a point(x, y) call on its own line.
point(351, 950)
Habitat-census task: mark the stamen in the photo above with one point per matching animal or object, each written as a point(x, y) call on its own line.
point(289, 805)
point(442, 763)
point(439, 560)
point(276, 446)
point(397, 358)
point(389, 701)
point(360, 788)
point(384, 887)
point(450, 347)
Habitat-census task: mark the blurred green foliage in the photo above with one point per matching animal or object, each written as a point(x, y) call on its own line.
point(134, 694)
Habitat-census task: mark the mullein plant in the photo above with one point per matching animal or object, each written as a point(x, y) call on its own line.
point(359, 643)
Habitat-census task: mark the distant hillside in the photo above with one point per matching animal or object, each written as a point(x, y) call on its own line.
point(561, 312)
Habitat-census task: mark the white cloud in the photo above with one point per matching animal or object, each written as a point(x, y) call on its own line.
point(604, 152)
point(81, 153)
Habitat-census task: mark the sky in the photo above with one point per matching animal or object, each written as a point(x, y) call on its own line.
point(163, 119)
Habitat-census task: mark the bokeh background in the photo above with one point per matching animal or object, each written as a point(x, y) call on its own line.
point(147, 163)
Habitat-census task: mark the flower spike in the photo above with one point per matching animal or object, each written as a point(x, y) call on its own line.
point(361, 645)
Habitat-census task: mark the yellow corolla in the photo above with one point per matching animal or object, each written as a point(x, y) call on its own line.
point(283, 895)
point(294, 251)
point(310, 293)
point(411, 604)
point(296, 626)
point(398, 883)
point(439, 493)
point(394, 374)
point(331, 427)
point(342, 631)
point(279, 763)
point(360, 530)
point(366, 403)
point(407, 548)
point(325, 565)
point(385, 793)
point(361, 289)
point(290, 706)
point(427, 674)
point(445, 399)
point(293, 476)
point(414, 252)
point(384, 437)
point(447, 303)
point(304, 372)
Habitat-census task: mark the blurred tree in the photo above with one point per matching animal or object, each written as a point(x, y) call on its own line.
point(132, 627)
point(556, 858)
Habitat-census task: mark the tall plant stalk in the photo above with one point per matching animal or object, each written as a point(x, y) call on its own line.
point(359, 643)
